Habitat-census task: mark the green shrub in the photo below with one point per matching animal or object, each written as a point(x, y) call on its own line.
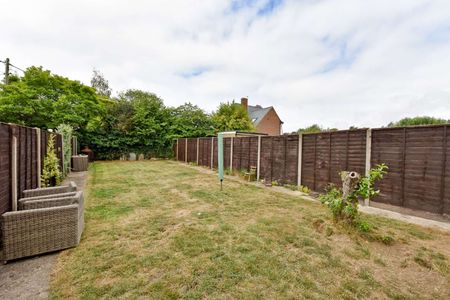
point(51, 175)
point(347, 209)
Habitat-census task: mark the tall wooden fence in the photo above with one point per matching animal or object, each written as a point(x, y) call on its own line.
point(418, 160)
point(22, 152)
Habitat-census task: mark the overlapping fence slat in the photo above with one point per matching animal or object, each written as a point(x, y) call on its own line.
point(418, 160)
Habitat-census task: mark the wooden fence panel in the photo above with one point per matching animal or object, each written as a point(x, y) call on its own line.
point(278, 162)
point(291, 171)
point(356, 151)
point(266, 158)
point(445, 188)
point(27, 160)
point(322, 161)
point(309, 160)
point(237, 153)
point(423, 168)
point(201, 152)
point(205, 152)
point(418, 160)
point(215, 153)
point(388, 147)
point(226, 152)
point(22, 160)
point(181, 149)
point(253, 151)
point(326, 154)
point(340, 159)
point(5, 168)
point(192, 150)
point(34, 160)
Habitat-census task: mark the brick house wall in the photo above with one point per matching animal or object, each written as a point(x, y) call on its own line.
point(270, 124)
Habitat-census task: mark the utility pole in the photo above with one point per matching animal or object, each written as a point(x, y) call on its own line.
point(7, 71)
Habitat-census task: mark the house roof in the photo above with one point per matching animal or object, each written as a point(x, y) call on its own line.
point(257, 113)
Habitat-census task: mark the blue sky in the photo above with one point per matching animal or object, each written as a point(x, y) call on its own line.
point(333, 62)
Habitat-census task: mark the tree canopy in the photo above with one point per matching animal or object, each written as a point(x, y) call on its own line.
point(314, 128)
point(42, 99)
point(232, 116)
point(189, 120)
point(420, 120)
point(100, 84)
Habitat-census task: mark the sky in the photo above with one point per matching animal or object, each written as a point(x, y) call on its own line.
point(337, 63)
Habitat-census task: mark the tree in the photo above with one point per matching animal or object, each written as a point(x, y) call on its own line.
point(136, 121)
point(315, 128)
point(232, 116)
point(424, 120)
point(42, 99)
point(100, 84)
point(189, 120)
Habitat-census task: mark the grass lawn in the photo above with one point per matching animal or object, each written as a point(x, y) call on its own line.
point(162, 230)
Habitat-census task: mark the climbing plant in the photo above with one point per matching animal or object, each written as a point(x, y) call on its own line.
point(51, 175)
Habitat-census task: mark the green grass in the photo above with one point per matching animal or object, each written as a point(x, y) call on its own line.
point(162, 230)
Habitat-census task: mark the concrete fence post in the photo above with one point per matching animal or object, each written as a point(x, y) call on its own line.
point(300, 159)
point(38, 156)
point(258, 162)
point(212, 152)
point(14, 172)
point(231, 155)
point(368, 158)
point(198, 145)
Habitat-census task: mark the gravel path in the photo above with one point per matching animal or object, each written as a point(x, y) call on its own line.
point(28, 278)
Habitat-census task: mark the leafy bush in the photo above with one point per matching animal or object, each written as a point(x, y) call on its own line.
point(51, 175)
point(347, 208)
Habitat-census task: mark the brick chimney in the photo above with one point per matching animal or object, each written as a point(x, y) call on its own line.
point(244, 102)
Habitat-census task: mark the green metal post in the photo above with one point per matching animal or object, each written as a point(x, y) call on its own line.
point(220, 157)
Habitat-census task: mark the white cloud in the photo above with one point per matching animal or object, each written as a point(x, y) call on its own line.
point(337, 63)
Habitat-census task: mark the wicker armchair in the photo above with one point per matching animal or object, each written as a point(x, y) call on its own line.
point(44, 225)
point(45, 197)
point(72, 187)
